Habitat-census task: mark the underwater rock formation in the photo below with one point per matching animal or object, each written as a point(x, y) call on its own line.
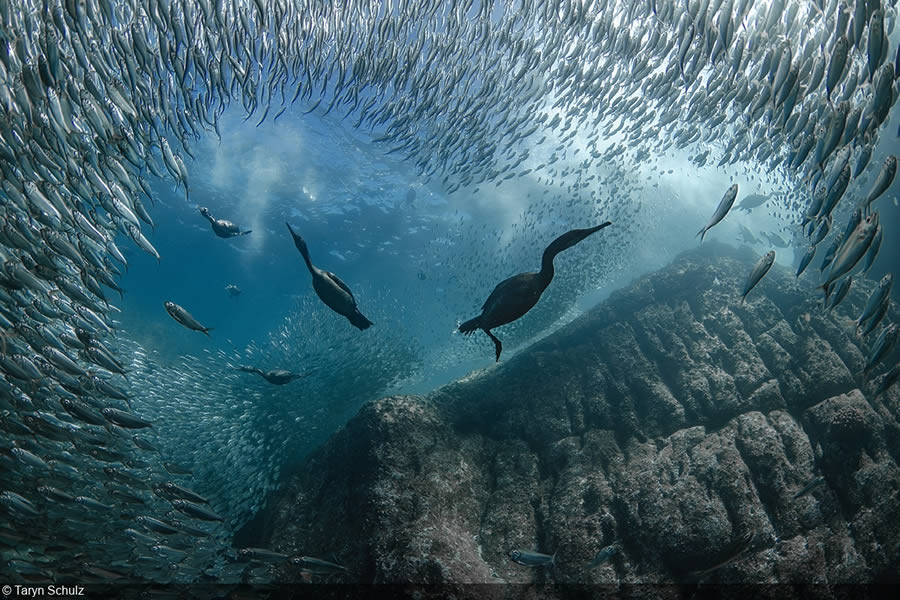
point(670, 420)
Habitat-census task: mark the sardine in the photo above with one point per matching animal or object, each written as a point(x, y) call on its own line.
point(759, 270)
point(721, 211)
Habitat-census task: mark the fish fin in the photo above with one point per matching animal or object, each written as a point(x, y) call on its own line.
point(207, 330)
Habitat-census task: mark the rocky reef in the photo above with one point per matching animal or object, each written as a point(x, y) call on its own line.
point(671, 421)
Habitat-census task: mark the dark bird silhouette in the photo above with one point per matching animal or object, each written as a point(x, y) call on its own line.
point(221, 227)
point(276, 376)
point(517, 295)
point(330, 289)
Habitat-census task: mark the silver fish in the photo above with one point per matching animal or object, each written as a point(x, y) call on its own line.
point(185, 318)
point(841, 292)
point(759, 270)
point(721, 211)
point(604, 555)
point(889, 379)
point(836, 64)
point(872, 322)
point(854, 248)
point(124, 419)
point(195, 510)
point(262, 555)
point(878, 297)
point(882, 347)
point(807, 258)
point(873, 250)
point(533, 559)
point(883, 181)
point(813, 485)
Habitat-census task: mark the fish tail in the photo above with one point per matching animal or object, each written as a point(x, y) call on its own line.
point(702, 234)
point(359, 321)
point(206, 330)
point(470, 325)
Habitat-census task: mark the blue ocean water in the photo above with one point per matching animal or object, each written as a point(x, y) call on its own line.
point(377, 224)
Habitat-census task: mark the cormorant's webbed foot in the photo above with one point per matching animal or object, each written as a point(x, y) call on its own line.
point(497, 345)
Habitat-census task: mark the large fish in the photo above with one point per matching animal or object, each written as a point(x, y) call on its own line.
point(832, 250)
point(853, 249)
point(836, 64)
point(807, 258)
point(889, 379)
point(185, 318)
point(878, 297)
point(752, 201)
point(876, 41)
point(840, 293)
point(722, 210)
point(872, 323)
point(872, 254)
point(883, 181)
point(882, 347)
point(759, 270)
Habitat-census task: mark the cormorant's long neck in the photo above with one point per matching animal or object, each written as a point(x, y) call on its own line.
point(209, 218)
point(563, 242)
point(300, 243)
point(545, 276)
point(305, 253)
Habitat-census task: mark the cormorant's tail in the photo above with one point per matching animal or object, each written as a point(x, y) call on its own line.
point(359, 321)
point(246, 232)
point(470, 325)
point(301, 246)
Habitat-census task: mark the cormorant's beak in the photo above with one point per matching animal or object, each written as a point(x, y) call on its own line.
point(298, 241)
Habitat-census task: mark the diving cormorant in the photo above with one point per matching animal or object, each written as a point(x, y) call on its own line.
point(221, 227)
point(330, 289)
point(276, 376)
point(515, 296)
